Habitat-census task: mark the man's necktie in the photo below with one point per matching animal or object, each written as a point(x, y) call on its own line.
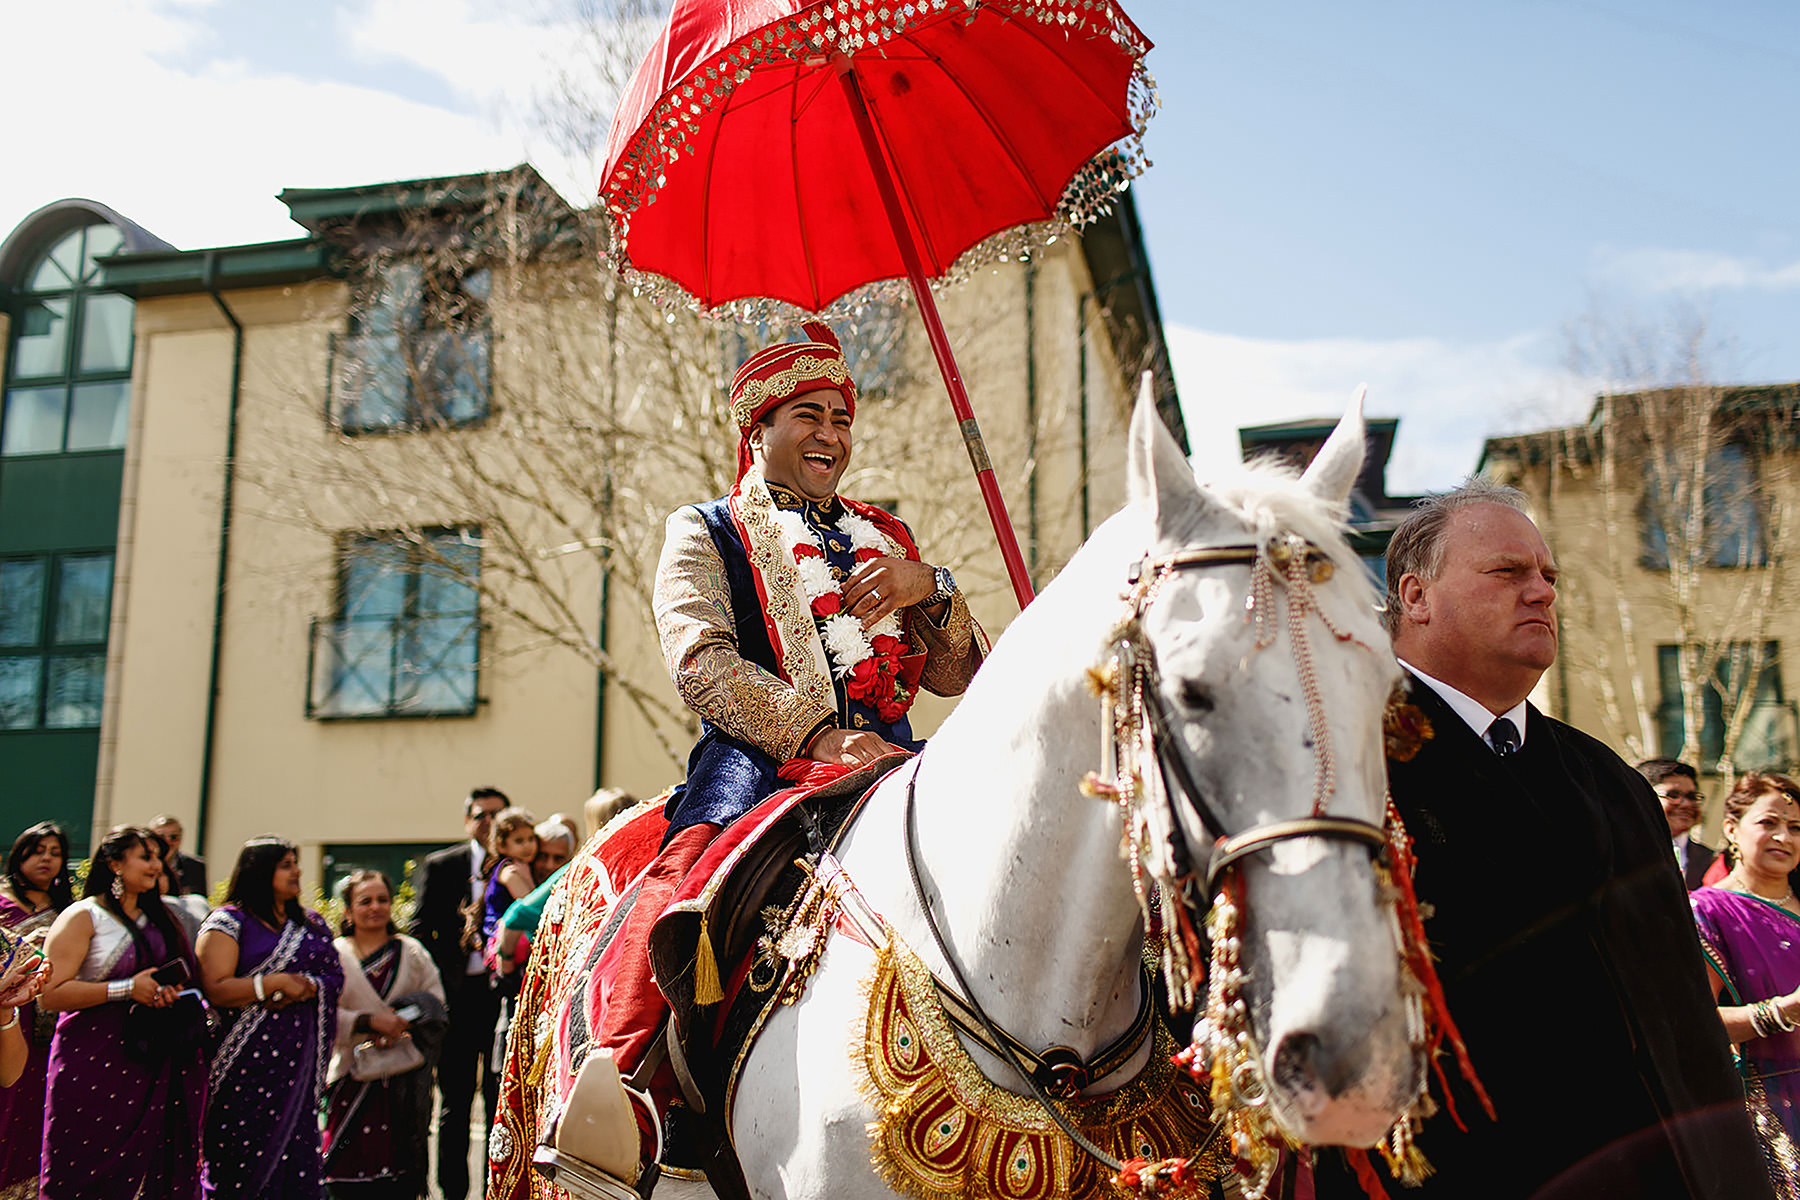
point(1504, 736)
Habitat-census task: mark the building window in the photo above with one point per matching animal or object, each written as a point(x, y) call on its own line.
point(54, 611)
point(1731, 533)
point(417, 353)
point(68, 375)
point(1767, 738)
point(407, 634)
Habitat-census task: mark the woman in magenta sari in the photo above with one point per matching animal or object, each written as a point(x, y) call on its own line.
point(34, 890)
point(1750, 930)
point(122, 1117)
point(270, 966)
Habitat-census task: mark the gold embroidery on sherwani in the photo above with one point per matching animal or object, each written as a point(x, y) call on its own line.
point(802, 654)
point(953, 650)
point(692, 602)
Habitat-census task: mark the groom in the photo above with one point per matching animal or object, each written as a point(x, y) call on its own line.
point(798, 625)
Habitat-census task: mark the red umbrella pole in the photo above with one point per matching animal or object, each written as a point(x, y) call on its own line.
point(940, 341)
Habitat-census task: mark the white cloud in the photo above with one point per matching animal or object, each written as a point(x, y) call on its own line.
point(196, 155)
point(489, 56)
point(1654, 271)
point(1449, 397)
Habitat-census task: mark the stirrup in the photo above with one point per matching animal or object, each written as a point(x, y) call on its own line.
point(594, 1151)
point(585, 1182)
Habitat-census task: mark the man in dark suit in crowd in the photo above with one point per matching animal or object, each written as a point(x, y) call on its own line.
point(1576, 978)
point(1678, 788)
point(189, 872)
point(443, 884)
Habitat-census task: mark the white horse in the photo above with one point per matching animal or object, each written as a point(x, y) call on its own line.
point(1023, 871)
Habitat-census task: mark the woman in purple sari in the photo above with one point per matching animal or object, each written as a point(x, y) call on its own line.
point(122, 1116)
point(35, 889)
point(270, 965)
point(1750, 930)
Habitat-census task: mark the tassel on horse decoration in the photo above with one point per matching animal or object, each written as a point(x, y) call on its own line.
point(707, 989)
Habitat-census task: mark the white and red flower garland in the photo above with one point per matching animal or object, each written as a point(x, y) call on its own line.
point(867, 660)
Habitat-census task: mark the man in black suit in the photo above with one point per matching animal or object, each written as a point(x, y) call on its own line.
point(1576, 978)
point(189, 872)
point(443, 884)
point(1678, 789)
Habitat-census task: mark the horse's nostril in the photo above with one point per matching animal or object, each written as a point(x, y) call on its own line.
point(1294, 1070)
point(1303, 1062)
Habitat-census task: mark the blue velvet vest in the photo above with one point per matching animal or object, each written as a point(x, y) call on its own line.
point(726, 777)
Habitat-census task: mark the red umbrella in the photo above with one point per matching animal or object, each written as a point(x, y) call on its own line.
point(796, 151)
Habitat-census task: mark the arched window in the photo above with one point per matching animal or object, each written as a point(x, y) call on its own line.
point(68, 364)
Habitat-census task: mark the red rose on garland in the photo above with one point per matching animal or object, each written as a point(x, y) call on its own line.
point(828, 604)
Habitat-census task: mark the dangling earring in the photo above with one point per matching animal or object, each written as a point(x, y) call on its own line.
point(118, 888)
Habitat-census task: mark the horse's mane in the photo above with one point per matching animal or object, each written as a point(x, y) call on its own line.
point(1267, 495)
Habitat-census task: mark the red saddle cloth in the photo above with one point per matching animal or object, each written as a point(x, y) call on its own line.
point(631, 901)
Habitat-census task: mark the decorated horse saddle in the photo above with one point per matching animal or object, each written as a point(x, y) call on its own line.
point(712, 949)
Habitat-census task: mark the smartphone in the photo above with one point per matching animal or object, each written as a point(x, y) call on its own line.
point(171, 974)
point(408, 1012)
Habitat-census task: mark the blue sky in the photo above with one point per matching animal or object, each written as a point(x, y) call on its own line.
point(1419, 195)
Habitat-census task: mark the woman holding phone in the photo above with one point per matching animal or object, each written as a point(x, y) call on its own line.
point(270, 966)
point(122, 1118)
point(377, 1116)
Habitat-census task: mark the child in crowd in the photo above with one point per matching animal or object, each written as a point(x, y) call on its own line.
point(512, 844)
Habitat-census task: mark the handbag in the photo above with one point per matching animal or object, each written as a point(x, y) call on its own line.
point(371, 1061)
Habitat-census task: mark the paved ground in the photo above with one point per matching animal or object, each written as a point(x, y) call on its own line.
point(477, 1156)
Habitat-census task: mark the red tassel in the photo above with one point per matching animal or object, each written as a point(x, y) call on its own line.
point(818, 331)
point(1364, 1171)
point(1419, 958)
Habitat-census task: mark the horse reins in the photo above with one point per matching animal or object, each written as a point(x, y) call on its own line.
point(997, 1041)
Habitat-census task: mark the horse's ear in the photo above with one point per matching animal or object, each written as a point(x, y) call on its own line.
point(1158, 478)
point(1334, 469)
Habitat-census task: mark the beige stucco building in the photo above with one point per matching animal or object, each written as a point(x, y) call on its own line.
point(390, 495)
point(1671, 515)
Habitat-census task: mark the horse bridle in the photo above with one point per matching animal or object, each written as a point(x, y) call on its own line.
point(1298, 562)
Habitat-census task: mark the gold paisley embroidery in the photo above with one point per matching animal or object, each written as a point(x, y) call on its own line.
point(943, 1131)
point(692, 604)
point(806, 369)
point(802, 653)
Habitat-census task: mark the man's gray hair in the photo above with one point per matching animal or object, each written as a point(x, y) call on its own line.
point(1417, 547)
point(555, 831)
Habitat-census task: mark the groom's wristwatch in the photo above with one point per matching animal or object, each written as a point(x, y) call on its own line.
point(946, 586)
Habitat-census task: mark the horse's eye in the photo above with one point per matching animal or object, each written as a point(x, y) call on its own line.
point(1195, 697)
